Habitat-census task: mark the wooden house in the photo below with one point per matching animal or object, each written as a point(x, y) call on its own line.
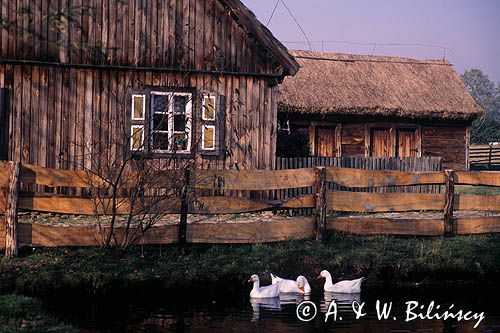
point(354, 105)
point(159, 79)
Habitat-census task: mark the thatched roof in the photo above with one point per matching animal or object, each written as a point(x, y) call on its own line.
point(263, 35)
point(330, 83)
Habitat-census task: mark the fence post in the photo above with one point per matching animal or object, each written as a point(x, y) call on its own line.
point(320, 188)
point(449, 202)
point(11, 212)
point(184, 212)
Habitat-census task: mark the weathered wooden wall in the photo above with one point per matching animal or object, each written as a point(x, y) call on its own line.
point(191, 34)
point(58, 115)
point(69, 65)
point(448, 141)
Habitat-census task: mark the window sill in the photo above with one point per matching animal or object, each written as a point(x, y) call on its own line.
point(153, 155)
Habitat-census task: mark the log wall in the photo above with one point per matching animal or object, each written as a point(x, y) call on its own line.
point(59, 114)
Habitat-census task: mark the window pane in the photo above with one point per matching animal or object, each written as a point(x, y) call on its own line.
point(180, 104)
point(137, 137)
point(160, 103)
point(180, 141)
point(208, 108)
point(160, 122)
point(208, 137)
point(179, 123)
point(138, 105)
point(160, 141)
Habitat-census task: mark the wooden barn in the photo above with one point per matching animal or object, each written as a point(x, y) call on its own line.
point(160, 79)
point(356, 105)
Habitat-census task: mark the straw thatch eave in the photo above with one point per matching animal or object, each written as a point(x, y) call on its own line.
point(342, 84)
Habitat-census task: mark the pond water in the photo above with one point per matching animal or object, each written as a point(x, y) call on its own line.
point(230, 310)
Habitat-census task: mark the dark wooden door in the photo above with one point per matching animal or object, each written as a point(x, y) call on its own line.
point(325, 142)
point(406, 141)
point(380, 142)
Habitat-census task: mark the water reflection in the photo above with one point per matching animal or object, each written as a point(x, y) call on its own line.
point(286, 299)
point(238, 314)
point(264, 303)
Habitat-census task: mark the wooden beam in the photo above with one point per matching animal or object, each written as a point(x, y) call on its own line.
point(343, 201)
point(375, 178)
point(320, 187)
point(449, 202)
point(253, 180)
point(274, 230)
point(373, 226)
point(34, 174)
point(5, 168)
point(477, 225)
point(486, 178)
point(90, 206)
point(477, 202)
point(11, 213)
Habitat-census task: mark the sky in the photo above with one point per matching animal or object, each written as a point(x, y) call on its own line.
point(469, 29)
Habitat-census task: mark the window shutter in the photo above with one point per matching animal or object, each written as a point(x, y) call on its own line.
point(4, 125)
point(209, 130)
point(138, 122)
point(212, 124)
point(221, 125)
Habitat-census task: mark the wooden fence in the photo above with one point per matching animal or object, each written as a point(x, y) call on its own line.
point(322, 200)
point(484, 157)
point(417, 164)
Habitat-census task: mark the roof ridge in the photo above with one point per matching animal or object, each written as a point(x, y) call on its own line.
point(414, 62)
point(332, 56)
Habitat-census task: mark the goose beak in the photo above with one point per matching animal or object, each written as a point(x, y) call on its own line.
point(319, 277)
point(302, 289)
point(250, 279)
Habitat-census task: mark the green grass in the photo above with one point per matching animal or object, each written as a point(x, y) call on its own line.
point(25, 314)
point(382, 259)
point(478, 190)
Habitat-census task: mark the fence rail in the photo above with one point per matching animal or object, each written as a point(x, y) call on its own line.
point(322, 199)
point(484, 157)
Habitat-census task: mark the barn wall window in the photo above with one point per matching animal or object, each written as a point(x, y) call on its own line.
point(166, 127)
point(208, 110)
point(137, 137)
point(138, 107)
point(208, 137)
point(212, 123)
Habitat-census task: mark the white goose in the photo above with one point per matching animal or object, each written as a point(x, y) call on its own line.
point(300, 286)
point(343, 287)
point(263, 292)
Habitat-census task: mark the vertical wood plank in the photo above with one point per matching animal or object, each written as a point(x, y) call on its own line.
point(11, 245)
point(448, 207)
point(320, 187)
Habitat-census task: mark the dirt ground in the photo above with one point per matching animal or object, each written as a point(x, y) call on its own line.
point(76, 220)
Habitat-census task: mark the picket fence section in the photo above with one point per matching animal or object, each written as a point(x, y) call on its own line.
point(484, 157)
point(324, 197)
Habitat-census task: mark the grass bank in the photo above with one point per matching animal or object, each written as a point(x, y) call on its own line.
point(384, 260)
point(25, 314)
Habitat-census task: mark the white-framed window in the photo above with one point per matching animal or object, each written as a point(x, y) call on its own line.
point(138, 107)
point(208, 137)
point(208, 110)
point(137, 137)
point(171, 119)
